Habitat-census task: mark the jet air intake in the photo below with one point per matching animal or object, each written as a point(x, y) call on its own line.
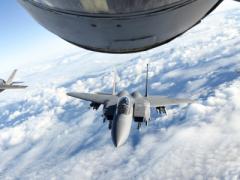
point(119, 26)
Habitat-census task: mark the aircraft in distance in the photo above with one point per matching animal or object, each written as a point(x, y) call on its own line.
point(120, 109)
point(119, 26)
point(10, 84)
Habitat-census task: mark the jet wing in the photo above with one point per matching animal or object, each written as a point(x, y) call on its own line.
point(3, 87)
point(96, 98)
point(157, 101)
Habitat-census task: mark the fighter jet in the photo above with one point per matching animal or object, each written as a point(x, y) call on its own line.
point(119, 26)
point(122, 108)
point(9, 84)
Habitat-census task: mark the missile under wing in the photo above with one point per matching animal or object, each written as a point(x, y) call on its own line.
point(119, 26)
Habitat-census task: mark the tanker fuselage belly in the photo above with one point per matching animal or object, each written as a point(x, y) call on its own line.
point(122, 33)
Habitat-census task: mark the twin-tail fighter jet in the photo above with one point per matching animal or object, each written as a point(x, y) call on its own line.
point(10, 84)
point(122, 108)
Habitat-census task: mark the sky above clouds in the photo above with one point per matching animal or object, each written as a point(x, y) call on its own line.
point(45, 134)
point(23, 40)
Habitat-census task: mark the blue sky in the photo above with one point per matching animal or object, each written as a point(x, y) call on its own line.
point(22, 39)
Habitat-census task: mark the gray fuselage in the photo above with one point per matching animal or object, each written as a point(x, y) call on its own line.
point(122, 121)
point(130, 107)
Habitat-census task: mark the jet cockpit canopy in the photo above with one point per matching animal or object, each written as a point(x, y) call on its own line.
point(124, 105)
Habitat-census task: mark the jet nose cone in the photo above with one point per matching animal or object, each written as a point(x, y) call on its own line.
point(120, 130)
point(118, 141)
point(116, 145)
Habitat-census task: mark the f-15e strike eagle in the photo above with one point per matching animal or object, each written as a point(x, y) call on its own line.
point(9, 84)
point(122, 108)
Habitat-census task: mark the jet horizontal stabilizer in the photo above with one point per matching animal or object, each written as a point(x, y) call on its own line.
point(159, 101)
point(12, 87)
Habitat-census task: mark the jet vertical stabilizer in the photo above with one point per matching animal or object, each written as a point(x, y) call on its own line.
point(114, 82)
point(11, 77)
point(146, 88)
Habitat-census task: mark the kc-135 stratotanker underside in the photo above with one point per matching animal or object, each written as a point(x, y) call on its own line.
point(119, 26)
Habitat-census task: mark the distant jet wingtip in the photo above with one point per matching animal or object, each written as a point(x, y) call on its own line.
point(70, 94)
